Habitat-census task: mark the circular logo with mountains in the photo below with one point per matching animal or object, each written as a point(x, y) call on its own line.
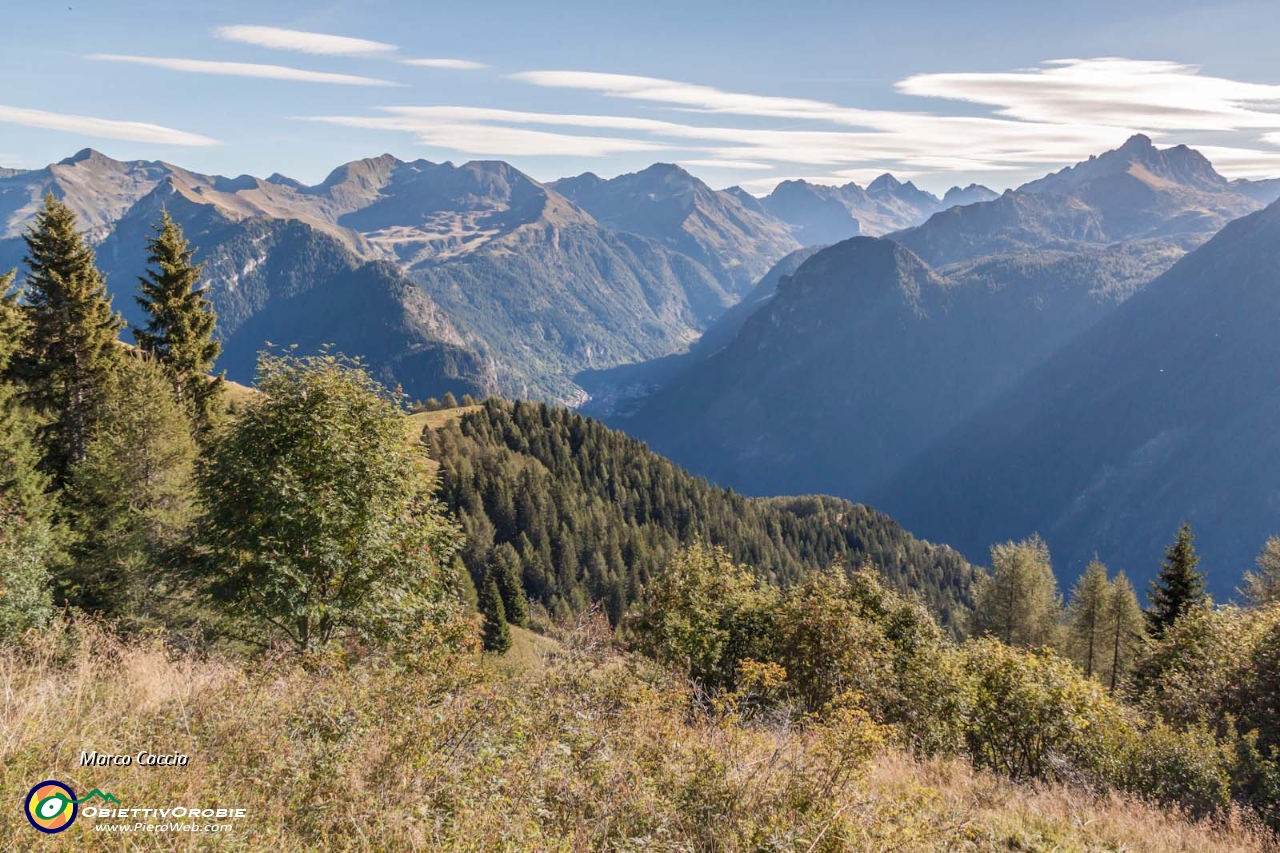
point(51, 806)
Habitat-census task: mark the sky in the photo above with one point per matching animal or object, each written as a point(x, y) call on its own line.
point(745, 93)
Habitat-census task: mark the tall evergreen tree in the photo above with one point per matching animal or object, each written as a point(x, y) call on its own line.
point(22, 485)
point(1087, 611)
point(133, 497)
point(497, 634)
point(1018, 601)
point(1123, 629)
point(72, 342)
point(180, 324)
point(1179, 586)
point(27, 546)
point(504, 565)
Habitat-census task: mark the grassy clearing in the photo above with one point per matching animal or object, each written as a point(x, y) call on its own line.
point(565, 747)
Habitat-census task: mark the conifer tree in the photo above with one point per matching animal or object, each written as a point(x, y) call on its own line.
point(133, 497)
point(1262, 587)
point(1179, 586)
point(72, 341)
point(1123, 629)
point(1018, 601)
point(27, 546)
point(180, 324)
point(449, 401)
point(505, 567)
point(22, 485)
point(1087, 614)
point(497, 634)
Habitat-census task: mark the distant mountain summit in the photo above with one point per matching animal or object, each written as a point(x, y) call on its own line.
point(821, 214)
point(736, 241)
point(523, 285)
point(1135, 192)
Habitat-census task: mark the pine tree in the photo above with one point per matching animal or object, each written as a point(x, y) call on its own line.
point(1018, 601)
point(1123, 629)
point(1262, 587)
point(72, 343)
point(180, 323)
point(449, 401)
point(1178, 587)
point(1087, 612)
point(497, 634)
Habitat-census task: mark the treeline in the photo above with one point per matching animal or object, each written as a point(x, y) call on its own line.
point(578, 513)
point(1191, 719)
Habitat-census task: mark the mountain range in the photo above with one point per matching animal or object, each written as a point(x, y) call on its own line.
point(949, 358)
point(857, 376)
point(1164, 411)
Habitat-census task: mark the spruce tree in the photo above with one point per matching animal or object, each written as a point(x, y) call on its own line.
point(1178, 587)
point(1087, 611)
point(505, 567)
point(22, 485)
point(133, 498)
point(72, 345)
point(496, 634)
point(180, 324)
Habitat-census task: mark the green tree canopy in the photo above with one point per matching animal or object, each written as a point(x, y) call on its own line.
point(180, 322)
point(132, 499)
point(1086, 612)
point(497, 633)
point(1018, 601)
point(319, 518)
point(1179, 586)
point(71, 346)
point(1262, 587)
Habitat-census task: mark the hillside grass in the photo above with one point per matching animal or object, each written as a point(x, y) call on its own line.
point(565, 746)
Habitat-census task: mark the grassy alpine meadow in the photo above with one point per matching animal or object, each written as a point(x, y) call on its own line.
point(565, 745)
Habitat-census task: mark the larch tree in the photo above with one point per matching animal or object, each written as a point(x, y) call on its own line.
point(72, 342)
point(1262, 587)
point(1179, 586)
point(1122, 627)
point(1018, 601)
point(1086, 612)
point(180, 323)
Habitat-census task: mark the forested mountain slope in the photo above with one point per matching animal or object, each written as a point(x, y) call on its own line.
point(592, 514)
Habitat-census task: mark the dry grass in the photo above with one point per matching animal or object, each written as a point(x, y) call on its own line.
point(561, 748)
point(415, 424)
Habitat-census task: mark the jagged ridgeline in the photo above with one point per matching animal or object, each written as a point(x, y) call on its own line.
point(592, 514)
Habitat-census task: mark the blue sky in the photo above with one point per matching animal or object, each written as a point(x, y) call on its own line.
point(747, 93)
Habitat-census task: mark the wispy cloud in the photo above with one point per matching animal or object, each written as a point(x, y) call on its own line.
point(243, 69)
point(496, 140)
point(736, 165)
point(457, 64)
point(1050, 115)
point(304, 42)
point(132, 131)
point(1152, 95)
